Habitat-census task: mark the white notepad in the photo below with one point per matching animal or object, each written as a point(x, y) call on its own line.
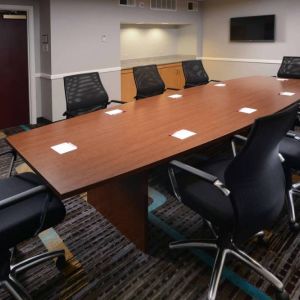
point(64, 148)
point(220, 84)
point(175, 96)
point(114, 112)
point(183, 134)
point(247, 110)
point(289, 94)
point(282, 79)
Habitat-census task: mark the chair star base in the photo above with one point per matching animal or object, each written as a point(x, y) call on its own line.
point(223, 249)
point(14, 286)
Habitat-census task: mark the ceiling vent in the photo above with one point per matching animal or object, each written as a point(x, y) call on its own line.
point(192, 5)
point(164, 4)
point(130, 3)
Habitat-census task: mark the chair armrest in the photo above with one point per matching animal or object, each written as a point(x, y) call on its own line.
point(244, 139)
point(293, 135)
point(203, 175)
point(240, 137)
point(22, 196)
point(117, 101)
point(237, 137)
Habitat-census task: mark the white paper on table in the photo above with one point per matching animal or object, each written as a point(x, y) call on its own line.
point(183, 134)
point(175, 96)
point(282, 79)
point(64, 148)
point(289, 94)
point(220, 84)
point(247, 110)
point(114, 112)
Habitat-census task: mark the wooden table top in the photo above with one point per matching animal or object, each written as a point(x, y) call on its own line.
point(139, 138)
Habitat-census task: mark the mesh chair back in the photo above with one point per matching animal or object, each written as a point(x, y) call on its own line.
point(148, 81)
point(194, 73)
point(256, 177)
point(290, 67)
point(84, 92)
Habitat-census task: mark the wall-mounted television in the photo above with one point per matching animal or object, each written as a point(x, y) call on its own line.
point(253, 29)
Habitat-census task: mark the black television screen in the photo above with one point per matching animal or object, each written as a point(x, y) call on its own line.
point(256, 28)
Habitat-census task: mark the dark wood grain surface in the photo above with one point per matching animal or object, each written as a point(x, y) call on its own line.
point(110, 147)
point(124, 203)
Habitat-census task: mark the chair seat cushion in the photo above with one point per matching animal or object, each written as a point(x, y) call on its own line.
point(21, 221)
point(290, 149)
point(204, 198)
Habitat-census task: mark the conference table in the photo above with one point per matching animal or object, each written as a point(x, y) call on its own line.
point(115, 152)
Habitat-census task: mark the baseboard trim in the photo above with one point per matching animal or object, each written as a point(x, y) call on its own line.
point(243, 60)
point(62, 75)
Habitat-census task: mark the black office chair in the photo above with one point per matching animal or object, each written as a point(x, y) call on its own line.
point(290, 150)
point(148, 81)
point(26, 208)
point(290, 67)
point(243, 196)
point(85, 93)
point(194, 73)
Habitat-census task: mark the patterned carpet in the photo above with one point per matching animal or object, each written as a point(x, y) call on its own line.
point(107, 266)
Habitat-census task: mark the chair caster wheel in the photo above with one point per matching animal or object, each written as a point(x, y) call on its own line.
point(61, 263)
point(283, 295)
point(294, 227)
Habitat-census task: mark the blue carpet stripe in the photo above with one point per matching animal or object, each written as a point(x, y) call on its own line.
point(25, 128)
point(159, 200)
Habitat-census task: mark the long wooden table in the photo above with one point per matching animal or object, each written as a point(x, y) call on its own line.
point(115, 152)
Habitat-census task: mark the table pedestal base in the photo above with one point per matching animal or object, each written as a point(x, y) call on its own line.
point(124, 203)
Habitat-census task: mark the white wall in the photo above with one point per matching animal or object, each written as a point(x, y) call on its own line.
point(157, 40)
point(188, 40)
point(76, 30)
point(216, 42)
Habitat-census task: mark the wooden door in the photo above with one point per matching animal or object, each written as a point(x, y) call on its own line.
point(14, 98)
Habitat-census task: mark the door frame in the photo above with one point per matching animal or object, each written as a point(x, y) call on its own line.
point(31, 57)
